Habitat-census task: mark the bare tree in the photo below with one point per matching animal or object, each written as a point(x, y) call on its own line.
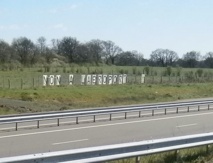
point(41, 42)
point(110, 51)
point(95, 48)
point(25, 50)
point(191, 59)
point(208, 59)
point(5, 52)
point(67, 48)
point(164, 57)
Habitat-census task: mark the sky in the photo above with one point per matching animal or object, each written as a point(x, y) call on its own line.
point(141, 25)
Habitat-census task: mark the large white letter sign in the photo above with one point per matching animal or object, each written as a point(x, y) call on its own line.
point(120, 79)
point(104, 79)
point(93, 79)
point(109, 79)
point(51, 80)
point(45, 80)
point(124, 78)
point(58, 79)
point(115, 79)
point(83, 77)
point(99, 79)
point(89, 79)
point(71, 77)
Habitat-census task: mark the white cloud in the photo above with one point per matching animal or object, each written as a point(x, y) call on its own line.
point(63, 9)
point(13, 27)
point(60, 27)
point(72, 7)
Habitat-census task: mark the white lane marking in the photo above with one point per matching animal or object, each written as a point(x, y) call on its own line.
point(67, 142)
point(105, 125)
point(86, 120)
point(187, 125)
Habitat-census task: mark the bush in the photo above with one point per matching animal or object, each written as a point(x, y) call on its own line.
point(146, 70)
point(199, 72)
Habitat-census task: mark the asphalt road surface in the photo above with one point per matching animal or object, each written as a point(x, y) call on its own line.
point(67, 137)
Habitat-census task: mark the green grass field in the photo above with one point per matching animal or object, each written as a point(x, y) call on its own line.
point(26, 84)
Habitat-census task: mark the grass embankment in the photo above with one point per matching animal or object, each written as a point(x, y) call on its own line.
point(192, 155)
point(68, 97)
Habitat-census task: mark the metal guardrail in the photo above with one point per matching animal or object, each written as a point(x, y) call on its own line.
point(96, 112)
point(118, 151)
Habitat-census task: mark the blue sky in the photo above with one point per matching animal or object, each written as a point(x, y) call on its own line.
point(142, 25)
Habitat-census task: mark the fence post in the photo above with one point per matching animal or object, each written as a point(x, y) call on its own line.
point(177, 110)
point(208, 107)
point(33, 82)
point(139, 113)
point(137, 159)
point(94, 118)
point(165, 111)
point(110, 117)
point(152, 112)
point(125, 114)
point(9, 83)
point(21, 83)
point(3, 81)
point(207, 149)
point(188, 109)
point(198, 107)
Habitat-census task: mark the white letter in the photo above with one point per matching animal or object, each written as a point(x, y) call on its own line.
point(109, 79)
point(143, 78)
point(100, 79)
point(115, 79)
point(44, 80)
point(51, 79)
point(104, 79)
point(71, 79)
point(93, 79)
point(89, 80)
point(83, 79)
point(58, 79)
point(120, 80)
point(124, 78)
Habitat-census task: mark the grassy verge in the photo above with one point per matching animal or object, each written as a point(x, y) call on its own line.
point(68, 97)
point(192, 155)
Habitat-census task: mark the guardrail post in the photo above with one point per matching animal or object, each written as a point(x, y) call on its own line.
point(58, 122)
point(110, 117)
point(176, 154)
point(37, 124)
point(188, 109)
point(152, 112)
point(76, 120)
point(139, 113)
point(125, 114)
point(208, 107)
point(207, 149)
point(177, 110)
point(94, 118)
point(16, 126)
point(165, 111)
point(137, 159)
point(198, 109)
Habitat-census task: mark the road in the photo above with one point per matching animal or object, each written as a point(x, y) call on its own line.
point(66, 137)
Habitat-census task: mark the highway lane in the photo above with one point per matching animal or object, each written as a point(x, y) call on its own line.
point(103, 133)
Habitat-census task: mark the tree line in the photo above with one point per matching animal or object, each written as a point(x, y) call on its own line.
point(22, 51)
